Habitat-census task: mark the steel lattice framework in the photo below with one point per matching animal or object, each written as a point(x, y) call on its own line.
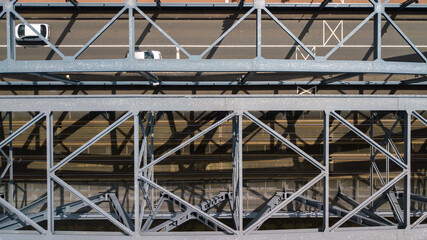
point(197, 63)
point(236, 108)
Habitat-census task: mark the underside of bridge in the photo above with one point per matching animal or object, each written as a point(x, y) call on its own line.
point(260, 119)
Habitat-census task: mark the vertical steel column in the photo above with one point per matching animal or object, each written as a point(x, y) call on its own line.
point(258, 32)
point(377, 30)
point(237, 173)
point(387, 162)
point(9, 6)
point(151, 171)
point(49, 166)
point(235, 177)
point(407, 191)
point(11, 182)
point(371, 170)
point(144, 156)
point(131, 33)
point(240, 169)
point(136, 162)
point(326, 177)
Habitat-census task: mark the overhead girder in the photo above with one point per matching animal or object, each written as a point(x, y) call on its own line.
point(197, 63)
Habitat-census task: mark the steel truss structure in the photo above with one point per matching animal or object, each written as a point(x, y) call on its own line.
point(197, 63)
point(236, 108)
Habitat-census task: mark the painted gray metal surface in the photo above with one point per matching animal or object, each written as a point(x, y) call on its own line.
point(196, 63)
point(380, 233)
point(212, 5)
point(213, 65)
point(239, 106)
point(213, 103)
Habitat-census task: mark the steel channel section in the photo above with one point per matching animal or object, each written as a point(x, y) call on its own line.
point(326, 117)
point(10, 162)
point(49, 165)
point(10, 28)
point(369, 140)
point(136, 166)
point(390, 196)
point(244, 82)
point(213, 5)
point(213, 65)
point(319, 64)
point(407, 181)
point(240, 171)
point(224, 103)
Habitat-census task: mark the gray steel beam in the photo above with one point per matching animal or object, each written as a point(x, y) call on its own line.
point(258, 31)
point(21, 129)
point(295, 38)
point(419, 117)
point(136, 165)
point(27, 24)
point(407, 182)
point(10, 29)
point(357, 28)
point(239, 160)
point(369, 140)
point(177, 148)
point(226, 32)
point(296, 194)
point(22, 216)
point(131, 16)
point(326, 132)
point(90, 142)
point(368, 200)
point(153, 213)
point(231, 5)
point(221, 225)
point(49, 164)
point(61, 212)
point(162, 32)
point(403, 35)
point(99, 33)
point(122, 216)
point(397, 211)
point(210, 103)
point(378, 9)
point(25, 209)
point(365, 210)
point(357, 218)
point(56, 78)
point(235, 175)
point(213, 65)
point(273, 202)
point(353, 233)
point(92, 204)
point(183, 217)
point(285, 141)
point(243, 82)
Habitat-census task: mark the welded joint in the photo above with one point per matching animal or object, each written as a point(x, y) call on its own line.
point(9, 6)
point(379, 8)
point(195, 58)
point(259, 4)
point(320, 59)
point(328, 111)
point(135, 112)
point(130, 3)
point(68, 58)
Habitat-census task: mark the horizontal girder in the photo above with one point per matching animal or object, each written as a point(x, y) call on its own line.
point(213, 65)
point(214, 103)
